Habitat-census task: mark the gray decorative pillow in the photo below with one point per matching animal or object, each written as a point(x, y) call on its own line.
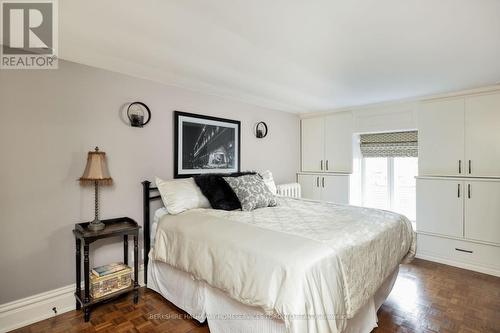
point(251, 191)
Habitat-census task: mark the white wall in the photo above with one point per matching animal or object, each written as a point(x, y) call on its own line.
point(386, 117)
point(51, 118)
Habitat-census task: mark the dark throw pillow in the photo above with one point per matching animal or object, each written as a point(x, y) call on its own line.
point(217, 190)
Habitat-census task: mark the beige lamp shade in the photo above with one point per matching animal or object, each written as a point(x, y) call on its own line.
point(96, 169)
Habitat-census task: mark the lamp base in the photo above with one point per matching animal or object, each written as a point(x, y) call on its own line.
point(96, 225)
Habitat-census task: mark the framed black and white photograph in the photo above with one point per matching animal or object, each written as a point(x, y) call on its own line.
point(205, 144)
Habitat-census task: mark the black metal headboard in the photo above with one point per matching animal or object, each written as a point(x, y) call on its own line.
point(146, 199)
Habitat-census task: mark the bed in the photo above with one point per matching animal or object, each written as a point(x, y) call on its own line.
point(302, 266)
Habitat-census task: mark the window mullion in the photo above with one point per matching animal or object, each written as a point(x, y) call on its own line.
point(363, 182)
point(390, 181)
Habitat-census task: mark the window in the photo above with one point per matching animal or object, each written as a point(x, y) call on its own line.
point(385, 167)
point(376, 183)
point(389, 183)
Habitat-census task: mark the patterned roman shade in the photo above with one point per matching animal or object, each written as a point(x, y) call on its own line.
point(396, 144)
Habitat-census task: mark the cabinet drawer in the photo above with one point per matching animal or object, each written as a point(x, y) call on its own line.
point(479, 257)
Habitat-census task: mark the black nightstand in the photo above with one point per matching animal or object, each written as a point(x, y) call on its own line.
point(123, 226)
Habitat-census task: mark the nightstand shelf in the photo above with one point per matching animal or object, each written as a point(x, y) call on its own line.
point(118, 227)
point(81, 297)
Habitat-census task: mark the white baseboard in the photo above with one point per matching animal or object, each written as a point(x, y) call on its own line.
point(459, 264)
point(38, 307)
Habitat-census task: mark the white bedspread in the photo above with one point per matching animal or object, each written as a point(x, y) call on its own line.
point(313, 264)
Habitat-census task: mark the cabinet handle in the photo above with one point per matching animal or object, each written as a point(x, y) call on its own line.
point(321, 164)
point(462, 250)
point(459, 190)
point(470, 167)
point(327, 165)
point(317, 181)
point(468, 190)
point(323, 182)
point(459, 166)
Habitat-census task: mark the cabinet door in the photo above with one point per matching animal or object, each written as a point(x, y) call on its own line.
point(313, 144)
point(482, 135)
point(441, 138)
point(440, 206)
point(335, 188)
point(338, 142)
point(482, 211)
point(310, 186)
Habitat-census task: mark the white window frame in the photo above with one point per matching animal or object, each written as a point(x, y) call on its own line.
point(390, 181)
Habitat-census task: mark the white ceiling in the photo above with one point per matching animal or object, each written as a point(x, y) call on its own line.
point(291, 55)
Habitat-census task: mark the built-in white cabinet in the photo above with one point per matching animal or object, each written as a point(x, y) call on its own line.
point(482, 135)
point(338, 142)
point(440, 207)
point(326, 143)
point(310, 186)
point(325, 187)
point(461, 253)
point(313, 144)
point(441, 138)
point(461, 208)
point(458, 222)
point(458, 189)
point(460, 136)
point(482, 211)
point(335, 188)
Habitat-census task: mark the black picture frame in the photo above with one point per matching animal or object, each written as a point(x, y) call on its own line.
point(180, 150)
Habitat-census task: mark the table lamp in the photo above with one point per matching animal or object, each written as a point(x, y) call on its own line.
point(96, 172)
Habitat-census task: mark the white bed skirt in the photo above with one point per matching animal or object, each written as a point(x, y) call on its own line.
point(226, 315)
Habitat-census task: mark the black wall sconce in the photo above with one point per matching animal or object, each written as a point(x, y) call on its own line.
point(261, 130)
point(136, 113)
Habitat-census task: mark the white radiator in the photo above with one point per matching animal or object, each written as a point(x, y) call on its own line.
point(291, 190)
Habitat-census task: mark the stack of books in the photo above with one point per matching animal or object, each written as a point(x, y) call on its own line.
point(109, 278)
point(108, 269)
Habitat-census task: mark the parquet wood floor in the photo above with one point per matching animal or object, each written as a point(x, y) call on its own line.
point(427, 297)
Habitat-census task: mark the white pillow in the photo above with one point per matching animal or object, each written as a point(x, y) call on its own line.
point(179, 195)
point(267, 176)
